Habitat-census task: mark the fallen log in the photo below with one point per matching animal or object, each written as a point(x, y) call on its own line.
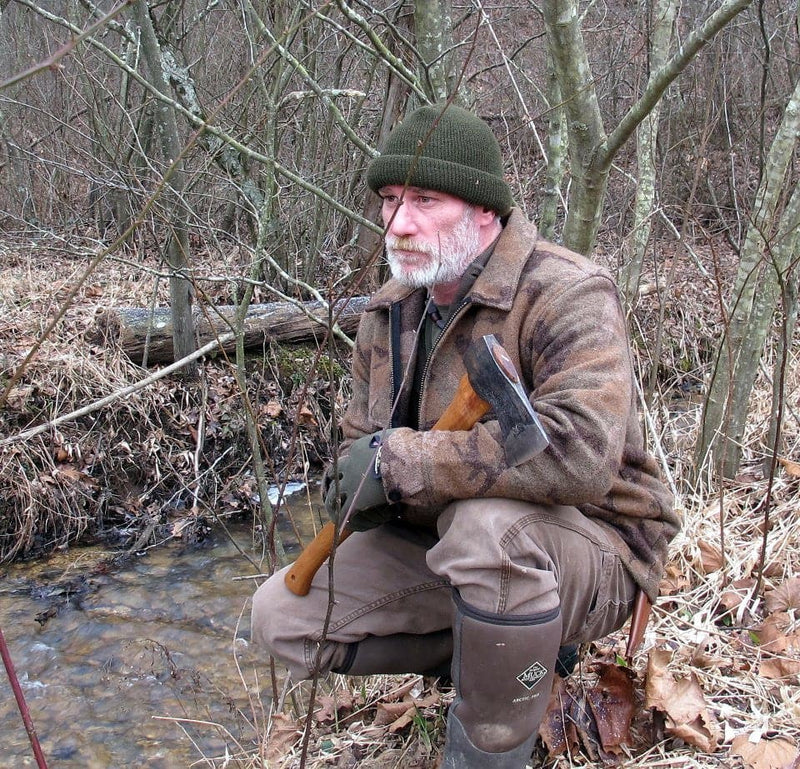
point(136, 329)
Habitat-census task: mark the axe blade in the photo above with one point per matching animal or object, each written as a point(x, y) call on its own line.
point(494, 378)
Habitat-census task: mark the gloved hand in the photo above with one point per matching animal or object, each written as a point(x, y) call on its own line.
point(370, 508)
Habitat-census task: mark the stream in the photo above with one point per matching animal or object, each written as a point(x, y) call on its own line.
point(142, 664)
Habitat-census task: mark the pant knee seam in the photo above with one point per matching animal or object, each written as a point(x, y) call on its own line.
point(381, 602)
point(532, 518)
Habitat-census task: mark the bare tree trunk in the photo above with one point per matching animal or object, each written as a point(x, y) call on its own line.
point(433, 28)
point(591, 150)
point(587, 136)
point(396, 93)
point(646, 136)
point(764, 266)
point(117, 143)
point(786, 335)
point(177, 255)
point(787, 249)
point(557, 143)
point(227, 158)
point(369, 241)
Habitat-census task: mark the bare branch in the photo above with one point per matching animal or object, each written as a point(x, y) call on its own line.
point(52, 62)
point(696, 41)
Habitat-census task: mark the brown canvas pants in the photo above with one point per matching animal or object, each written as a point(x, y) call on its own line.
point(504, 556)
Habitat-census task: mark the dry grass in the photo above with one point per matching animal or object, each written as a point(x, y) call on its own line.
point(133, 468)
point(150, 461)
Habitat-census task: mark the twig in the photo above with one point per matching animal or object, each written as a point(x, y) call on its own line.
point(53, 62)
point(659, 449)
point(21, 704)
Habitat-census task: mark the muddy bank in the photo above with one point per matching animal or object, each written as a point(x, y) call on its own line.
point(167, 462)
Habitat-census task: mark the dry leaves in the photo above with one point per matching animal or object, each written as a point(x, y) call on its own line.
point(345, 712)
point(283, 733)
point(778, 753)
point(598, 717)
point(337, 706)
point(792, 468)
point(272, 408)
point(780, 669)
point(73, 475)
point(682, 702)
point(559, 729)
point(711, 559)
point(779, 640)
point(736, 594)
point(399, 708)
point(305, 416)
point(612, 704)
point(674, 581)
point(784, 597)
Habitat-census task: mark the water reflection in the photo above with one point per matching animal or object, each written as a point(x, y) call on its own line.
point(138, 666)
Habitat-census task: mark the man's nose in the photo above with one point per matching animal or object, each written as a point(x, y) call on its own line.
point(401, 222)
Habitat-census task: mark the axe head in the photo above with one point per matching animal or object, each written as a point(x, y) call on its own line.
point(494, 378)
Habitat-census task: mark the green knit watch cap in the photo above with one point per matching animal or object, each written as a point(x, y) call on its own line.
point(459, 155)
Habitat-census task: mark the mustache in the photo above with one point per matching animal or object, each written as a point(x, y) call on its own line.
point(407, 244)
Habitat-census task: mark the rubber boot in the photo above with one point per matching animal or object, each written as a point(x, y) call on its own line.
point(427, 654)
point(503, 669)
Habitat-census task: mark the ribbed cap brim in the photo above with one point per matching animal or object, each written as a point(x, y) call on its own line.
point(470, 184)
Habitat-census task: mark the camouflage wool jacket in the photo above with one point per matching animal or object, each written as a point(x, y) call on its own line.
point(559, 318)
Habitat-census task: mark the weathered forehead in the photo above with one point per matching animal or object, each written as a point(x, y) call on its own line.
point(396, 187)
point(399, 189)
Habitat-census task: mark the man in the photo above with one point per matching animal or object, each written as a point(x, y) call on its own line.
point(463, 561)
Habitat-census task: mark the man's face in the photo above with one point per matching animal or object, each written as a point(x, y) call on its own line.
point(431, 237)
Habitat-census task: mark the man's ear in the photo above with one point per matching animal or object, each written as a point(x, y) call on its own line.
point(484, 216)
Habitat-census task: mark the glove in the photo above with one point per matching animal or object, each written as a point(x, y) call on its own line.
point(370, 508)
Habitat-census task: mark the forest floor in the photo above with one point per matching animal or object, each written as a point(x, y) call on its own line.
point(715, 683)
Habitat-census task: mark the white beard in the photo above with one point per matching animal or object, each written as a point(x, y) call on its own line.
point(448, 256)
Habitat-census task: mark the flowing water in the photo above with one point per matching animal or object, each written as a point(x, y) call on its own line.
point(139, 665)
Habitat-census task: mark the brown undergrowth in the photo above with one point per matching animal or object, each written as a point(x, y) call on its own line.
point(160, 462)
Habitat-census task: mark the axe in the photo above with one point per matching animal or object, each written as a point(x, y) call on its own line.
point(491, 382)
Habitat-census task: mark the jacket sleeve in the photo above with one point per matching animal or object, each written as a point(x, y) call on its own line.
point(574, 354)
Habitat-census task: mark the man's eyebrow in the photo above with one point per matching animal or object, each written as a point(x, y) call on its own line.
point(416, 190)
point(424, 191)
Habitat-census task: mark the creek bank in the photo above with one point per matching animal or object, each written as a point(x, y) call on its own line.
point(170, 461)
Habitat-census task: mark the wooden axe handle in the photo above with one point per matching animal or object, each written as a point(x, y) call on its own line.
point(298, 578)
point(464, 411)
